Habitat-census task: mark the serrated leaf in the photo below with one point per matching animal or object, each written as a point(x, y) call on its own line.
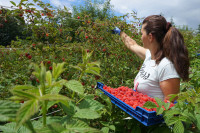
point(190, 115)
point(87, 114)
point(49, 105)
point(166, 105)
point(178, 127)
point(112, 127)
point(198, 120)
point(93, 70)
point(51, 128)
point(24, 94)
point(70, 109)
point(96, 63)
point(57, 70)
point(29, 125)
point(172, 121)
point(75, 86)
point(159, 101)
point(172, 112)
point(27, 110)
point(107, 100)
point(48, 77)
point(150, 105)
point(159, 110)
point(183, 118)
point(73, 125)
point(54, 97)
point(8, 110)
point(105, 130)
point(172, 96)
point(11, 128)
point(91, 104)
point(15, 98)
point(55, 87)
point(53, 119)
point(24, 87)
point(104, 123)
point(77, 67)
point(54, 90)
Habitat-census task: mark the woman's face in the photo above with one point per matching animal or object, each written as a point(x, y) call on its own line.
point(144, 37)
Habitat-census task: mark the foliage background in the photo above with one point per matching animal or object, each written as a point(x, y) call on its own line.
point(55, 35)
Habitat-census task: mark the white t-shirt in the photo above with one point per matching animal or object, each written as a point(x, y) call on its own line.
point(150, 75)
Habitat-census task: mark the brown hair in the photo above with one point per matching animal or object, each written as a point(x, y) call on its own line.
point(171, 44)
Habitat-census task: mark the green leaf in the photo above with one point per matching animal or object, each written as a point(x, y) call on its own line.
point(70, 109)
point(52, 119)
point(87, 114)
point(112, 127)
point(105, 130)
point(49, 105)
point(172, 121)
point(159, 110)
point(16, 98)
point(57, 86)
point(74, 125)
point(53, 90)
point(13, 3)
point(54, 97)
point(24, 87)
point(91, 104)
point(96, 63)
point(150, 105)
point(198, 120)
point(8, 110)
point(178, 127)
point(24, 94)
point(29, 125)
point(51, 128)
point(93, 70)
point(27, 110)
point(11, 128)
point(166, 105)
point(77, 67)
point(48, 77)
point(107, 101)
point(172, 112)
point(75, 86)
point(57, 70)
point(159, 101)
point(172, 96)
point(42, 74)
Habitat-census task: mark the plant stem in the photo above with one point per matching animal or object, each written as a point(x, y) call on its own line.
point(44, 112)
point(79, 81)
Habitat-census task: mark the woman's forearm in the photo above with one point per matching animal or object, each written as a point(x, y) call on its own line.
point(133, 46)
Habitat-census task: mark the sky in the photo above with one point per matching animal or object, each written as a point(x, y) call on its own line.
point(183, 12)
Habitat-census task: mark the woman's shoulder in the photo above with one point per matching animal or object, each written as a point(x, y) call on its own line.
point(147, 55)
point(165, 62)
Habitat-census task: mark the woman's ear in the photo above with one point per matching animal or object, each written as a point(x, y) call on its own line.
point(151, 37)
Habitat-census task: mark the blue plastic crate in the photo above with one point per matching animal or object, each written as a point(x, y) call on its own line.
point(145, 117)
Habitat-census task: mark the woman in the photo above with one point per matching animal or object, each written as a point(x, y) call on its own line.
point(165, 58)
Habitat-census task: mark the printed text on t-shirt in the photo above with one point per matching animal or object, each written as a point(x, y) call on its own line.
point(144, 74)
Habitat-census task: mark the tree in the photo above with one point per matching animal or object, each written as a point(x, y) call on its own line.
point(198, 30)
point(98, 9)
point(10, 28)
point(172, 21)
